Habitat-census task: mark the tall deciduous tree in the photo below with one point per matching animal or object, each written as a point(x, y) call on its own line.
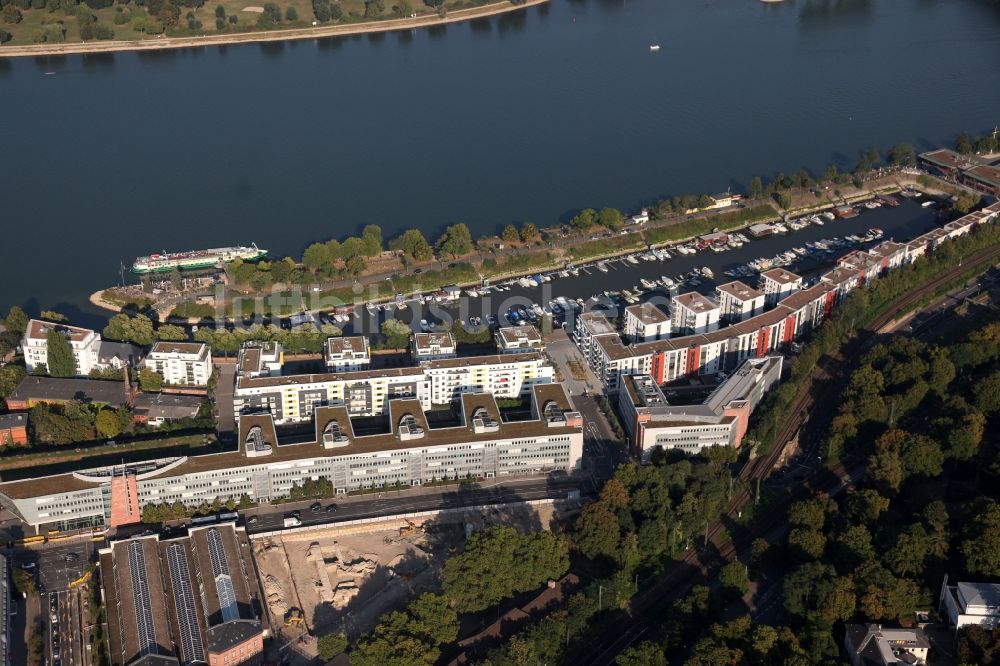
point(61, 362)
point(456, 240)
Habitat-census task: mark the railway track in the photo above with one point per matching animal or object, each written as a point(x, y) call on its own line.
point(695, 564)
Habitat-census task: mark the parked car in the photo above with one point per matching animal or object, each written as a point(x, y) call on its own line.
point(316, 508)
point(332, 508)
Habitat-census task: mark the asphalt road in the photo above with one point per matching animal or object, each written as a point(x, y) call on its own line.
point(393, 502)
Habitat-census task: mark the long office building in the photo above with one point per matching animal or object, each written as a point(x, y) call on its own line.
point(720, 420)
point(797, 313)
point(403, 445)
point(188, 600)
point(261, 385)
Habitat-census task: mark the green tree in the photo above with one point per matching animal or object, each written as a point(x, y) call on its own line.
point(16, 320)
point(756, 188)
point(584, 220)
point(529, 232)
point(865, 506)
point(784, 200)
point(61, 362)
point(11, 15)
point(150, 380)
point(316, 257)
point(138, 329)
point(397, 333)
point(981, 544)
point(456, 240)
point(510, 234)
point(107, 424)
point(962, 144)
point(807, 543)
point(411, 637)
point(330, 645)
point(597, 531)
point(500, 562)
point(611, 219)
point(10, 377)
point(291, 14)
point(733, 577)
point(815, 593)
point(646, 653)
point(413, 244)
point(355, 265)
point(371, 240)
point(171, 333)
point(902, 154)
point(52, 316)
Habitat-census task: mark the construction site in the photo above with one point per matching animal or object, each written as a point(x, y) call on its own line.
point(342, 579)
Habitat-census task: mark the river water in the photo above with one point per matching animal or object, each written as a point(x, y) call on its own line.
point(527, 116)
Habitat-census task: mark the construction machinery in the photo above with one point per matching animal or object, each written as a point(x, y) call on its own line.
point(294, 618)
point(407, 529)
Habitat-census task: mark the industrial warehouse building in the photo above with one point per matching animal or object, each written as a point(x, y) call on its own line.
point(403, 445)
point(189, 600)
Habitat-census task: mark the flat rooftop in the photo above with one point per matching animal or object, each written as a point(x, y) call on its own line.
point(648, 314)
point(740, 290)
point(949, 159)
point(597, 323)
point(351, 344)
point(64, 389)
point(430, 341)
point(39, 330)
point(781, 276)
point(388, 438)
point(194, 348)
point(513, 335)
point(694, 301)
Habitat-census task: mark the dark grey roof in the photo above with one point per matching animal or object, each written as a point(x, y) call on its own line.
point(64, 390)
point(16, 420)
point(167, 405)
point(223, 636)
point(124, 350)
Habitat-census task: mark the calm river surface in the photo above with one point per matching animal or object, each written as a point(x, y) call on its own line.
point(521, 117)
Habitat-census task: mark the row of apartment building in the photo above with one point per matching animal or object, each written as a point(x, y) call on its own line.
point(180, 363)
point(754, 332)
point(402, 445)
point(438, 378)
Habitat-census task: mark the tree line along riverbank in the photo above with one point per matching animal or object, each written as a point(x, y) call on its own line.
point(62, 27)
point(364, 268)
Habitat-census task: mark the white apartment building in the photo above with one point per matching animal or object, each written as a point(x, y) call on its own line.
point(398, 446)
point(971, 603)
point(347, 354)
point(693, 313)
point(738, 301)
point(428, 346)
point(646, 322)
point(503, 375)
point(84, 343)
point(778, 283)
point(518, 339)
point(181, 363)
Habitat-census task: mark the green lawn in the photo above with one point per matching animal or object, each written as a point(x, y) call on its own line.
point(40, 25)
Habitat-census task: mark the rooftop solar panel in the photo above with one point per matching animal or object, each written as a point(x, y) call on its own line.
point(145, 627)
point(192, 646)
